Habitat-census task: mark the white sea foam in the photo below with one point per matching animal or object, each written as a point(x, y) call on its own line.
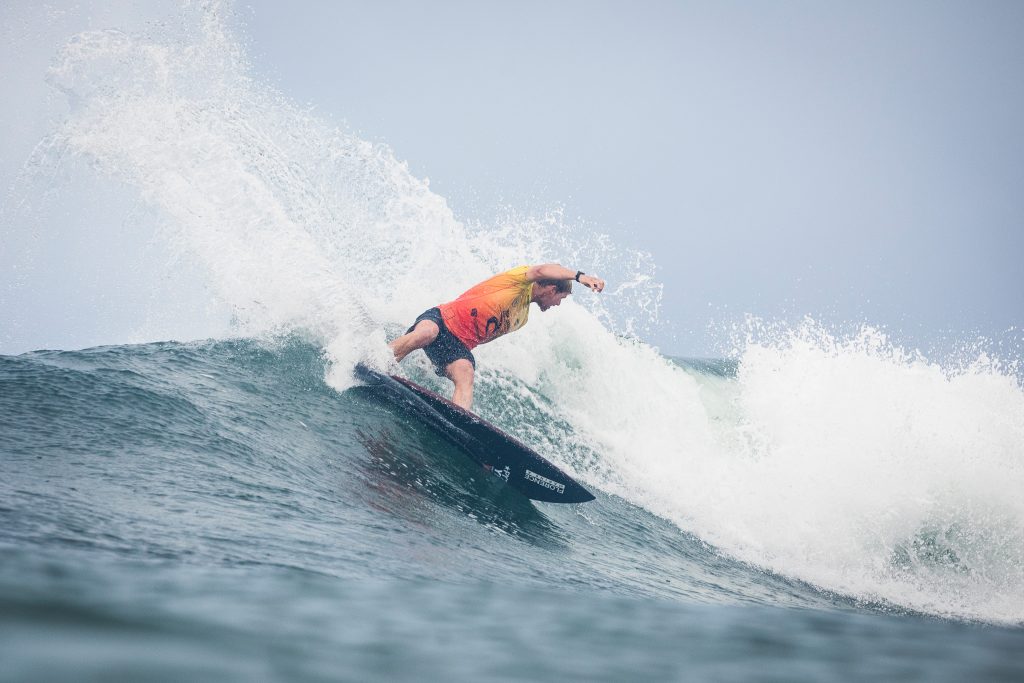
point(844, 462)
point(854, 465)
point(298, 225)
point(872, 471)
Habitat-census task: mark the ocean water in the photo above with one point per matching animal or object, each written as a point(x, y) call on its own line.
point(215, 509)
point(233, 506)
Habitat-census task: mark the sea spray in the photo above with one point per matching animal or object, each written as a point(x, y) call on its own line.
point(298, 226)
point(302, 228)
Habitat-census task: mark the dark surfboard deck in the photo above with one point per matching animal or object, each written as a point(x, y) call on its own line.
point(502, 455)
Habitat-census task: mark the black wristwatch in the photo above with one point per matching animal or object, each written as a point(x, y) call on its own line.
point(578, 273)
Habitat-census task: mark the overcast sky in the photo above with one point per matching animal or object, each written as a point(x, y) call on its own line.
point(857, 162)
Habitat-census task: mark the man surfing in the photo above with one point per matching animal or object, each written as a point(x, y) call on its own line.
point(449, 332)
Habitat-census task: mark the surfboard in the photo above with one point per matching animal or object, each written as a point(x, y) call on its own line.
point(499, 453)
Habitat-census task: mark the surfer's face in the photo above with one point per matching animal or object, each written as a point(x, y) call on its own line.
point(549, 296)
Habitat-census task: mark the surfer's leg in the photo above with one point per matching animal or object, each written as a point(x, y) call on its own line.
point(461, 372)
point(422, 335)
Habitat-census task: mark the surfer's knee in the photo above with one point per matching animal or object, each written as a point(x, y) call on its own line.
point(425, 333)
point(461, 373)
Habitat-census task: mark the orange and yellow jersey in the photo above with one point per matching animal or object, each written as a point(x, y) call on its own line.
point(490, 309)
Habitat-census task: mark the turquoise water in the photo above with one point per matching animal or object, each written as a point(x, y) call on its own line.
point(216, 510)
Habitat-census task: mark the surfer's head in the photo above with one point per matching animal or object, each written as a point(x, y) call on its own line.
point(548, 293)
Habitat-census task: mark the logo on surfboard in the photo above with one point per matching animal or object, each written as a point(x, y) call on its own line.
point(530, 475)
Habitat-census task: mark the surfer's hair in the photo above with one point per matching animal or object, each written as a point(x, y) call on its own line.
point(560, 285)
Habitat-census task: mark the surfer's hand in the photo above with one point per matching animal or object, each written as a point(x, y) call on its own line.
point(595, 283)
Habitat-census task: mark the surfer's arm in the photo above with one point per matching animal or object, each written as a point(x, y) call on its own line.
point(554, 271)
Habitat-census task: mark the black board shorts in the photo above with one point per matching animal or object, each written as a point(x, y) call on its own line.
point(447, 348)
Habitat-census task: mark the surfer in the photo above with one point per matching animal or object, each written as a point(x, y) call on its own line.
point(448, 333)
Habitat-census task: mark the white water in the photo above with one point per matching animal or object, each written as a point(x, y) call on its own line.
point(846, 463)
point(861, 468)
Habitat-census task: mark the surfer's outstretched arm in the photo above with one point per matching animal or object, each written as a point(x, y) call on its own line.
point(555, 271)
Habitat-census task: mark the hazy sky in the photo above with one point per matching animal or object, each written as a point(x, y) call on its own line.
point(859, 161)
